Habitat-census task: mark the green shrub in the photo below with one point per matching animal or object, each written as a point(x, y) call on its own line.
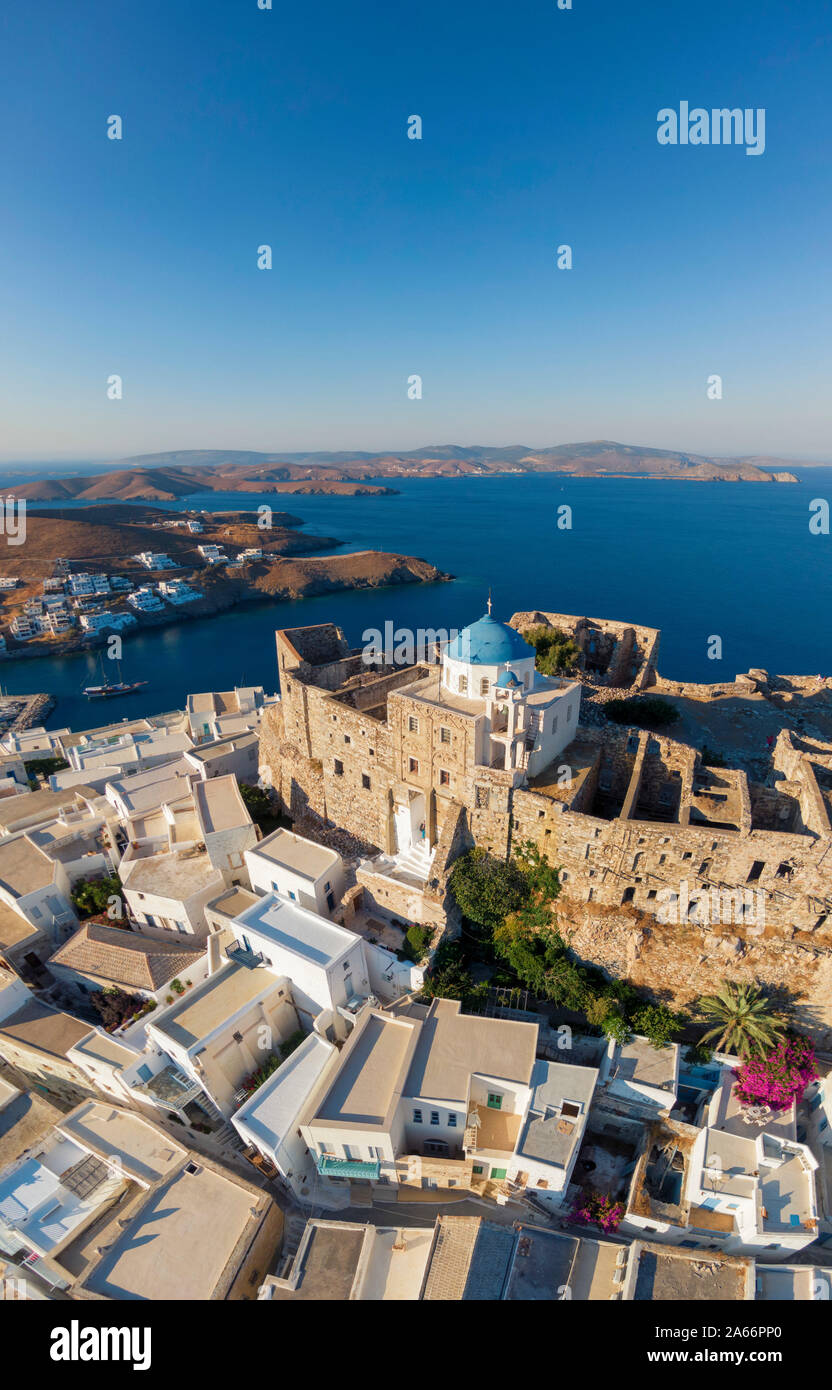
point(642, 711)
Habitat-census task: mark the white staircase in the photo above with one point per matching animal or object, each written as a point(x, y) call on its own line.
point(416, 860)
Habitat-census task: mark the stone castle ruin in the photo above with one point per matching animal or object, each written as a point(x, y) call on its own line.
point(676, 874)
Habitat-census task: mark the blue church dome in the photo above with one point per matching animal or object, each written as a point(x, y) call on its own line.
point(507, 682)
point(488, 643)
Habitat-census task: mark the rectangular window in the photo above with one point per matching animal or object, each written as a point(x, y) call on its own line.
point(484, 685)
point(347, 738)
point(413, 764)
point(339, 768)
point(495, 1101)
point(463, 684)
point(413, 724)
point(478, 1168)
point(444, 778)
point(417, 1117)
point(365, 781)
point(434, 1117)
point(444, 735)
point(452, 1121)
point(497, 1173)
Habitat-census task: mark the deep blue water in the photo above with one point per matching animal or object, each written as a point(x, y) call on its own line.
point(695, 559)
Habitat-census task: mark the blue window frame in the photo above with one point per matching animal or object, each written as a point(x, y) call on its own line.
point(417, 1117)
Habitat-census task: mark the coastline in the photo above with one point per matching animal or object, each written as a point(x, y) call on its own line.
point(402, 570)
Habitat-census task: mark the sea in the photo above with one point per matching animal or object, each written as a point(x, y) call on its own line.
point(733, 561)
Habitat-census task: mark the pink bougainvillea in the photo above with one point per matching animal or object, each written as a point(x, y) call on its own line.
point(598, 1210)
point(779, 1078)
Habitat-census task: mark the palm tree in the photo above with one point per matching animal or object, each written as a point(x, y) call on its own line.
point(745, 1022)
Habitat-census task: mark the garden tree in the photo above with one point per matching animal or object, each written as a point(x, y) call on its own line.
point(642, 711)
point(417, 939)
point(657, 1023)
point(448, 977)
point(781, 1076)
point(257, 802)
point(556, 652)
point(744, 1021)
point(92, 895)
point(487, 889)
point(38, 769)
point(115, 1006)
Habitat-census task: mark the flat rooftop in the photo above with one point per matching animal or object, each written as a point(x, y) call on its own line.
point(327, 1263)
point(371, 1073)
point(25, 1119)
point(668, 1275)
point(727, 1113)
point(219, 804)
point(43, 1029)
point(98, 1047)
point(233, 902)
point(304, 933)
point(546, 1263)
point(181, 1241)
point(452, 1046)
point(640, 1062)
point(291, 851)
point(14, 929)
point(24, 867)
point(789, 1283)
point(144, 1152)
point(272, 1112)
point(549, 1136)
point(213, 1002)
point(176, 875)
point(147, 790)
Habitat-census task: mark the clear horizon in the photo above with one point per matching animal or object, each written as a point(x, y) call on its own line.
point(394, 257)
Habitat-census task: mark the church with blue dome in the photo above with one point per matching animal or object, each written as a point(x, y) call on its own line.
point(483, 656)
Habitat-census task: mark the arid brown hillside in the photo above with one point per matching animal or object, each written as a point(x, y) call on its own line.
point(165, 477)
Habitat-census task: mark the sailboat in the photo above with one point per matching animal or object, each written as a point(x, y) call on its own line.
point(108, 689)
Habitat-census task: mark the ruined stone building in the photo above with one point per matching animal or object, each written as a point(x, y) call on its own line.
point(675, 874)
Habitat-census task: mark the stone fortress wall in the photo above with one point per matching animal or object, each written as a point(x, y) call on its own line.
point(630, 817)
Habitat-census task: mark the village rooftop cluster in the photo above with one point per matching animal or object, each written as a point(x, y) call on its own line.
point(220, 1077)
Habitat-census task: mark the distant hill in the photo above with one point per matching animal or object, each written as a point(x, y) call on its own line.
point(169, 476)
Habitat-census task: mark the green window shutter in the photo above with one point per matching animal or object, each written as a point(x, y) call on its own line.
point(498, 1173)
point(495, 1102)
point(478, 1168)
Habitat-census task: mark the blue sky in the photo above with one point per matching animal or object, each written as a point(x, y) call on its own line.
point(393, 256)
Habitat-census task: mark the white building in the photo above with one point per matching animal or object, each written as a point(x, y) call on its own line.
point(421, 1092)
point(644, 1076)
point(106, 621)
point(326, 963)
point(176, 591)
point(553, 1130)
point(156, 560)
point(215, 714)
point(224, 1029)
point(213, 554)
point(298, 869)
point(270, 1119)
point(144, 600)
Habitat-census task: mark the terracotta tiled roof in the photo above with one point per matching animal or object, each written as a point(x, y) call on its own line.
point(127, 958)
